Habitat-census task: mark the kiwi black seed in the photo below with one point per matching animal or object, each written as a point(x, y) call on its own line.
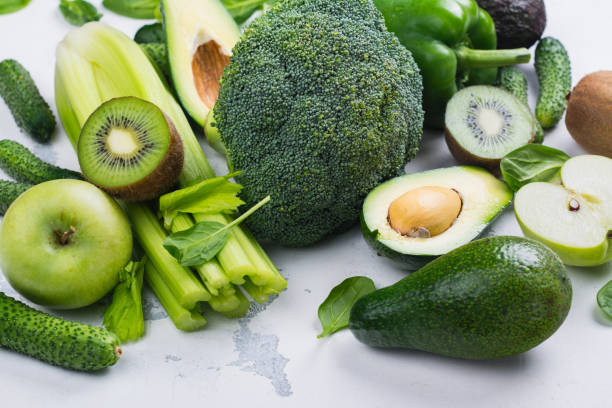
point(484, 123)
point(129, 148)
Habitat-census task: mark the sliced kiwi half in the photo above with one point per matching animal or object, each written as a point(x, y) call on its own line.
point(484, 123)
point(130, 148)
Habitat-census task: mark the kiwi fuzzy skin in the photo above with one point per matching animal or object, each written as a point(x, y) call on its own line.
point(589, 113)
point(161, 179)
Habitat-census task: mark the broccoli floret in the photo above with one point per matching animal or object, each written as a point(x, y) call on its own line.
point(319, 104)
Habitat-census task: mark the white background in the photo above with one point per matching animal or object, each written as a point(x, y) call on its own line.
point(273, 358)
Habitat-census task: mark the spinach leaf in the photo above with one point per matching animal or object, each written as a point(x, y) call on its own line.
point(11, 6)
point(143, 9)
point(334, 312)
point(210, 196)
point(150, 33)
point(604, 299)
point(124, 315)
point(204, 240)
point(79, 12)
point(531, 163)
point(241, 10)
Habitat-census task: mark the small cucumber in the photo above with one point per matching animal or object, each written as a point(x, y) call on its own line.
point(56, 341)
point(554, 72)
point(31, 112)
point(22, 165)
point(514, 81)
point(9, 191)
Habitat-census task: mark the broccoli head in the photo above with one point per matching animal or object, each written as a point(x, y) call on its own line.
point(319, 104)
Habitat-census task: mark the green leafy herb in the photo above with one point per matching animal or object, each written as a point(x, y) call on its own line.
point(124, 315)
point(150, 33)
point(213, 195)
point(11, 6)
point(204, 240)
point(604, 299)
point(144, 9)
point(531, 163)
point(241, 10)
point(334, 312)
point(79, 12)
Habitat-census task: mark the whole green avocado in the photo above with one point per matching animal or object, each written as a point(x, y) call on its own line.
point(494, 297)
point(319, 104)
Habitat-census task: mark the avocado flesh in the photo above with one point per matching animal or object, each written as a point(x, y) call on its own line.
point(483, 198)
point(494, 297)
point(200, 35)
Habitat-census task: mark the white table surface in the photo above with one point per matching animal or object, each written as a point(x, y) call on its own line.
point(272, 357)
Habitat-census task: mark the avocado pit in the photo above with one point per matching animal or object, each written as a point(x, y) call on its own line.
point(425, 212)
point(208, 64)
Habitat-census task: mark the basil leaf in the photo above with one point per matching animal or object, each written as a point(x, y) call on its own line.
point(124, 315)
point(79, 12)
point(334, 312)
point(531, 163)
point(210, 196)
point(204, 240)
point(143, 9)
point(604, 299)
point(198, 244)
point(11, 6)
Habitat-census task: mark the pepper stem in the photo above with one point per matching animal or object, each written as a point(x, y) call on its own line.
point(468, 58)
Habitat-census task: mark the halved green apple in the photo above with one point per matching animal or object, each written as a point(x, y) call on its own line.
point(200, 35)
point(575, 218)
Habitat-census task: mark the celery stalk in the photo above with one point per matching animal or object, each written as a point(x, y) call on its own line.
point(185, 287)
point(242, 309)
point(225, 303)
point(182, 318)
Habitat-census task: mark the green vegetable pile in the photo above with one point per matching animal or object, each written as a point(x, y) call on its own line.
point(318, 105)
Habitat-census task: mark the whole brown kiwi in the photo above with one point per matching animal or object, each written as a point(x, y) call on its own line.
point(589, 113)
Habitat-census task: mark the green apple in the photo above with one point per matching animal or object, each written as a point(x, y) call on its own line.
point(63, 243)
point(575, 218)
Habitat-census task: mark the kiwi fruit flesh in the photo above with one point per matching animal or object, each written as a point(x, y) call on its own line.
point(484, 123)
point(589, 113)
point(129, 148)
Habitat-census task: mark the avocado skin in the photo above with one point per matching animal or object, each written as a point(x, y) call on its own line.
point(518, 23)
point(494, 297)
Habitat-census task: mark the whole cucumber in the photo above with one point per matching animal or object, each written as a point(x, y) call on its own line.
point(514, 81)
point(56, 341)
point(30, 110)
point(9, 191)
point(554, 72)
point(22, 165)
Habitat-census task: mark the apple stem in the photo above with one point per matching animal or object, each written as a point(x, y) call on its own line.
point(64, 237)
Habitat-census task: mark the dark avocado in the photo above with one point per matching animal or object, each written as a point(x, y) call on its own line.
point(494, 297)
point(519, 23)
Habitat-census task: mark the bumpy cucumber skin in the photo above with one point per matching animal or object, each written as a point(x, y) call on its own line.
point(22, 165)
point(31, 112)
point(554, 72)
point(514, 81)
point(56, 341)
point(9, 191)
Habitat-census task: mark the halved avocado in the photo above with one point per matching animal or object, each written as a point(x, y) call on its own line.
point(200, 35)
point(398, 235)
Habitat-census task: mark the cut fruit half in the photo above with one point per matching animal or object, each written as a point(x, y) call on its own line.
point(484, 123)
point(200, 35)
point(130, 149)
point(415, 218)
point(575, 219)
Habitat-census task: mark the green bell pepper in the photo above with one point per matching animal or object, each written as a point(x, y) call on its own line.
point(454, 44)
